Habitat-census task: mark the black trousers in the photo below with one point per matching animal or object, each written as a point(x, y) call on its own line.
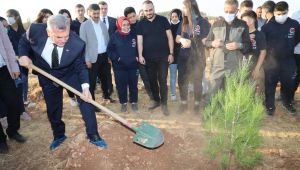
point(100, 69)
point(145, 79)
point(109, 80)
point(11, 100)
point(157, 70)
point(297, 80)
point(189, 71)
point(53, 95)
point(285, 72)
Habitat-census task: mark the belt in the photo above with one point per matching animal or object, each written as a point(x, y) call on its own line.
point(101, 54)
point(2, 66)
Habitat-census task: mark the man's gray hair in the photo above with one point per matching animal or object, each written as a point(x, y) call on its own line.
point(232, 2)
point(59, 22)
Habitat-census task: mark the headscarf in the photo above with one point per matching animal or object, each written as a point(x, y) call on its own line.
point(119, 25)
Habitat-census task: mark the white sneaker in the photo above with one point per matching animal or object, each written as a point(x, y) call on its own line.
point(173, 97)
point(3, 122)
point(25, 116)
point(73, 102)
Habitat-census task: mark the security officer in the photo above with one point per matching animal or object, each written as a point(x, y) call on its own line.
point(282, 34)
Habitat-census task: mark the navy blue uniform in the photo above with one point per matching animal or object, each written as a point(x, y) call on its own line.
point(258, 43)
point(122, 50)
point(191, 61)
point(280, 63)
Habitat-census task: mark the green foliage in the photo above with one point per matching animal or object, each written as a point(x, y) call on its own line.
point(233, 119)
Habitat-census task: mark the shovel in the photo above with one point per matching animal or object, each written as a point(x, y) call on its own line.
point(146, 135)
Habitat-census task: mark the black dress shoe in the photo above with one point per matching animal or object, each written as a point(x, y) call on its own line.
point(270, 111)
point(154, 105)
point(97, 140)
point(93, 138)
point(165, 110)
point(111, 100)
point(3, 148)
point(97, 109)
point(290, 108)
point(18, 137)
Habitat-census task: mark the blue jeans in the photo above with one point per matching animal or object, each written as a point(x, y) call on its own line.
point(173, 78)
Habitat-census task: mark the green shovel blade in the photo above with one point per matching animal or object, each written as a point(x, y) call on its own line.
point(148, 136)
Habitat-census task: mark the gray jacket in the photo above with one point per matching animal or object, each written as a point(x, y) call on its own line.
point(88, 35)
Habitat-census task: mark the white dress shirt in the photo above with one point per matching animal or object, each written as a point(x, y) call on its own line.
point(106, 21)
point(47, 52)
point(101, 42)
point(47, 56)
point(2, 62)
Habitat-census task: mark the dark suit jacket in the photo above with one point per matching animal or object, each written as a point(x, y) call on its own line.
point(72, 69)
point(112, 25)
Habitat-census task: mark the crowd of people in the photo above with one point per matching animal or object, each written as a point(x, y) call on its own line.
point(86, 51)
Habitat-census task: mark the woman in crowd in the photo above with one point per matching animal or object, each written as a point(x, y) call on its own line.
point(122, 50)
point(9, 70)
point(15, 31)
point(191, 60)
point(175, 20)
point(43, 16)
point(258, 51)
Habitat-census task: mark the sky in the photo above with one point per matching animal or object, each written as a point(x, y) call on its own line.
point(29, 8)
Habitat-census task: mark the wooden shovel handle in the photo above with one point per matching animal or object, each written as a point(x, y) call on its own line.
point(106, 110)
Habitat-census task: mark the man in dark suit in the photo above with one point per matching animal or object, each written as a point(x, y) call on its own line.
point(110, 23)
point(60, 53)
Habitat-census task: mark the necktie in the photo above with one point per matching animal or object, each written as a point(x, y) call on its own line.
point(54, 57)
point(104, 21)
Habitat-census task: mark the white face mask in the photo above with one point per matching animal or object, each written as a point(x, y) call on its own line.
point(11, 20)
point(229, 17)
point(281, 19)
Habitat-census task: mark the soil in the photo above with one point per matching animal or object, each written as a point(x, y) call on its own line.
point(183, 148)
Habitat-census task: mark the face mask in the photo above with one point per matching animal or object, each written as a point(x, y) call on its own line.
point(229, 17)
point(11, 20)
point(281, 19)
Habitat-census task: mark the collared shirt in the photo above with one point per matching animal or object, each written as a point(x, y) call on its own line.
point(47, 56)
point(47, 52)
point(106, 21)
point(2, 62)
point(101, 42)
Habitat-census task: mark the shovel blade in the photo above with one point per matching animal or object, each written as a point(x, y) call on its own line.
point(148, 136)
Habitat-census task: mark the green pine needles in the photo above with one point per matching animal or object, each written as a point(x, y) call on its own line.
point(233, 119)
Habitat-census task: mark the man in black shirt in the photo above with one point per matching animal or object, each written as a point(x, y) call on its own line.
point(75, 25)
point(155, 47)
